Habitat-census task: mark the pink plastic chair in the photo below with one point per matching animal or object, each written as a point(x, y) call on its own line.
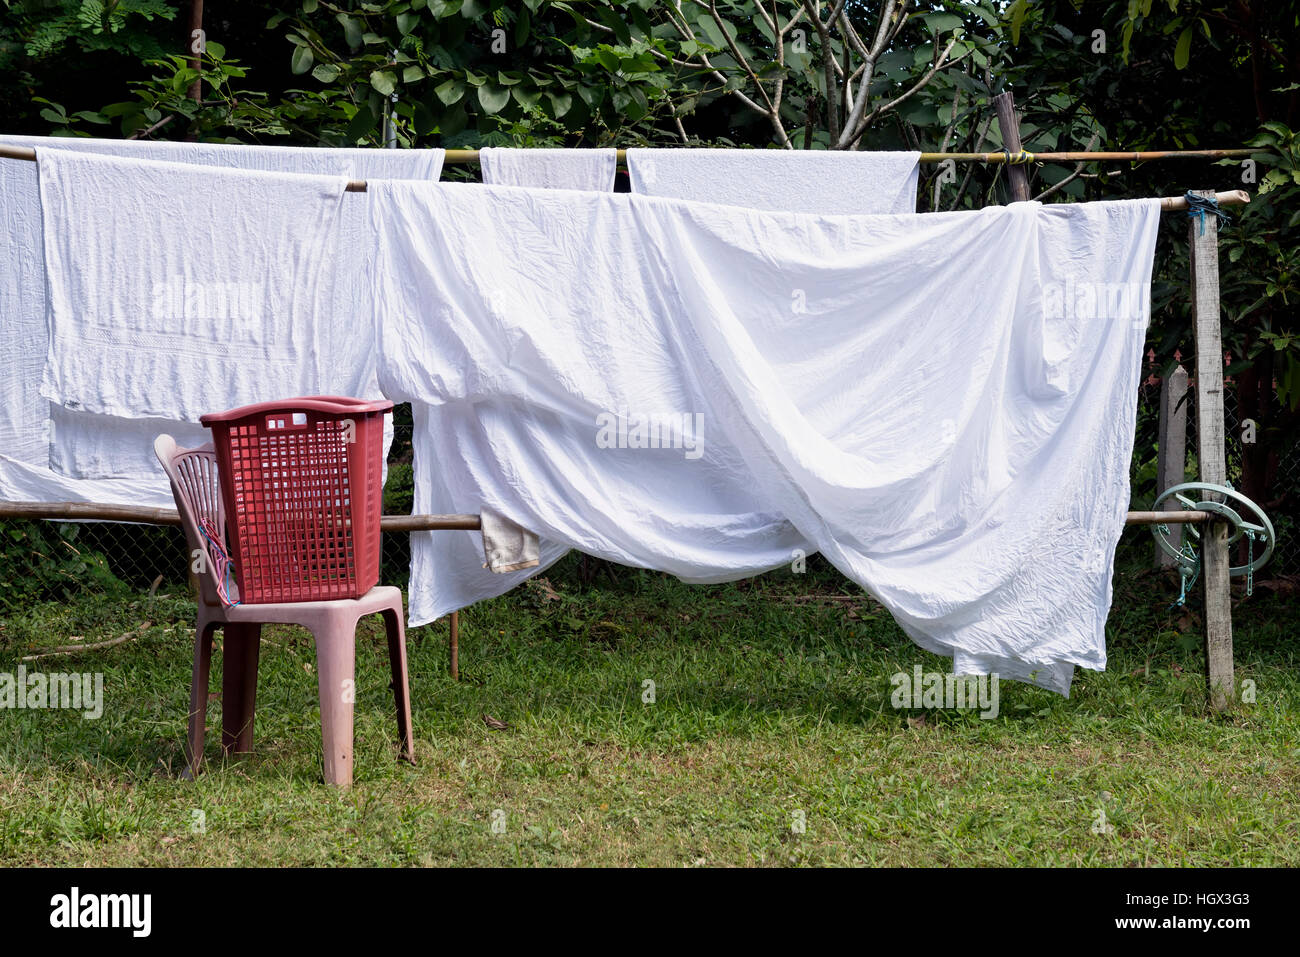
point(333, 624)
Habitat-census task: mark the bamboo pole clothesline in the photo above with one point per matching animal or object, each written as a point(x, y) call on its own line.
point(467, 157)
point(1236, 197)
point(84, 511)
point(142, 515)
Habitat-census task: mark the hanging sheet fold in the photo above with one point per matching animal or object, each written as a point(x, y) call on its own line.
point(943, 405)
point(584, 169)
point(825, 182)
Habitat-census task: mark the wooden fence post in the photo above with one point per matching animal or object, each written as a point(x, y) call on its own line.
point(453, 647)
point(1009, 124)
point(1171, 454)
point(1203, 236)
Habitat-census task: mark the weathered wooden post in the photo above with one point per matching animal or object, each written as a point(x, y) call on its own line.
point(1203, 235)
point(1009, 124)
point(453, 647)
point(1171, 454)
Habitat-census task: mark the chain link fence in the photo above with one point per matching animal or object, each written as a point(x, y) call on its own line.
point(53, 560)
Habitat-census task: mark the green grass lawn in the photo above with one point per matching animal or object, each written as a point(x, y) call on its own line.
point(772, 706)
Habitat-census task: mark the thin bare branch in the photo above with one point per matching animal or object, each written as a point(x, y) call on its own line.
point(859, 105)
point(738, 56)
point(829, 67)
point(947, 138)
point(1078, 171)
point(970, 167)
point(940, 62)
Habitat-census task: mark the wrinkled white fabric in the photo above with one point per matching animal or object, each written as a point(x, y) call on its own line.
point(591, 169)
point(85, 445)
point(195, 289)
point(24, 482)
point(90, 446)
point(942, 404)
point(826, 182)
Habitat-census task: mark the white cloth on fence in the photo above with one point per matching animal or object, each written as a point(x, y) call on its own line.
point(589, 169)
point(942, 404)
point(825, 182)
point(90, 446)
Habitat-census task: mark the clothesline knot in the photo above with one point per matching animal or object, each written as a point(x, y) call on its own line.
point(1198, 206)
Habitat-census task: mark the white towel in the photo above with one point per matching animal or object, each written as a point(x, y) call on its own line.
point(549, 168)
point(195, 289)
point(90, 446)
point(942, 404)
point(828, 182)
point(506, 546)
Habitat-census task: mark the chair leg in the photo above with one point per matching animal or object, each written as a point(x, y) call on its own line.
point(240, 652)
point(336, 670)
point(396, 630)
point(198, 699)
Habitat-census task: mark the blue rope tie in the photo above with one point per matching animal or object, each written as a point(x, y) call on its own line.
point(1198, 206)
point(224, 562)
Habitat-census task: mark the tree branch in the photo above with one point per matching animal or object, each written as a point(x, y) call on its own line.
point(940, 62)
point(1078, 171)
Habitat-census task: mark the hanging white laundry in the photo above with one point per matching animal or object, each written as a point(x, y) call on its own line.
point(942, 404)
point(90, 446)
point(452, 562)
point(195, 288)
point(827, 182)
point(587, 169)
point(20, 482)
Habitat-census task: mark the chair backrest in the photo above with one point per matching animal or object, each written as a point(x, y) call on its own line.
point(197, 491)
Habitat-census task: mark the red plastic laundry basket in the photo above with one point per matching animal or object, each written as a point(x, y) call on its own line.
point(301, 482)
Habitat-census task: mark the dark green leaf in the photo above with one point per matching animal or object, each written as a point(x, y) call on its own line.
point(526, 96)
point(1183, 50)
point(453, 121)
point(560, 103)
point(361, 124)
point(425, 120)
point(608, 59)
point(351, 31)
point(451, 91)
point(493, 98)
point(302, 59)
